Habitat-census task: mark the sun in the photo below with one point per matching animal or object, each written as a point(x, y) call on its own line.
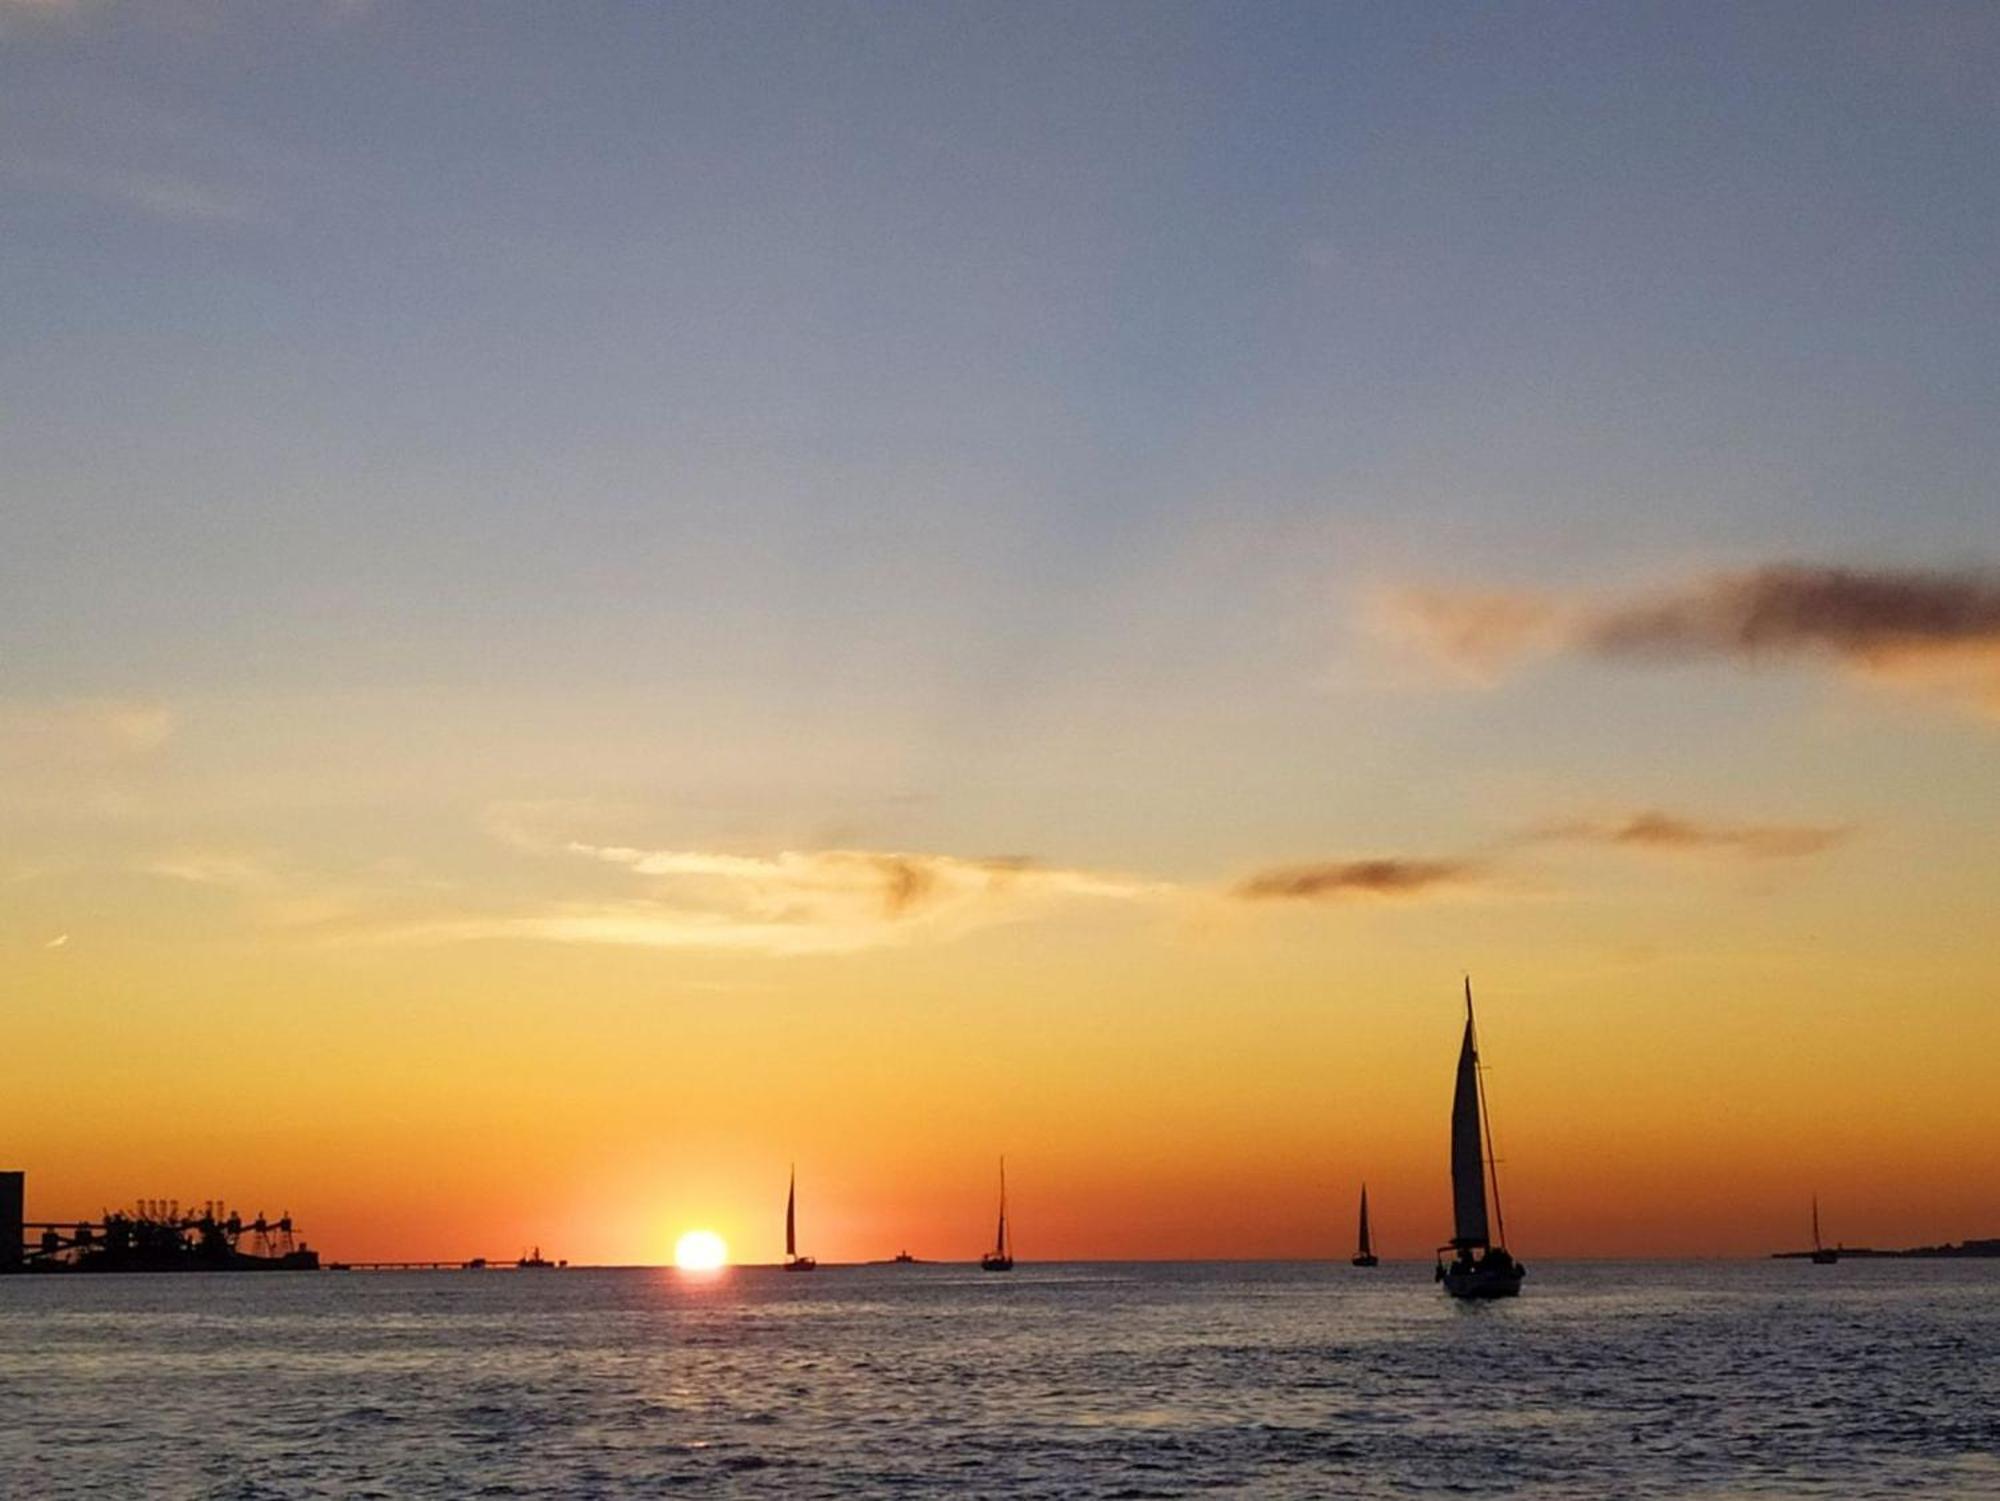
point(700, 1251)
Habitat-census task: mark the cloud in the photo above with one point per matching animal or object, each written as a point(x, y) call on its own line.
point(822, 901)
point(1933, 629)
point(1475, 634)
point(211, 868)
point(1344, 879)
point(1794, 608)
point(162, 195)
point(1654, 830)
point(91, 731)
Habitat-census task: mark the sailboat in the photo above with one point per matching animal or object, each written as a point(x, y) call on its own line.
point(1822, 1255)
point(1480, 1266)
point(1364, 1251)
point(793, 1261)
point(1001, 1257)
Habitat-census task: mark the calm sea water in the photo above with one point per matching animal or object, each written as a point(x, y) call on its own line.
point(1604, 1380)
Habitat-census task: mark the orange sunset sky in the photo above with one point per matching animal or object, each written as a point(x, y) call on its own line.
point(588, 613)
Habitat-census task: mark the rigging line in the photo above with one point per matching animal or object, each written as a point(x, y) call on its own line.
point(1486, 1120)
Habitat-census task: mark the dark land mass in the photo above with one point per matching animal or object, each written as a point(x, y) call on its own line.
point(1965, 1249)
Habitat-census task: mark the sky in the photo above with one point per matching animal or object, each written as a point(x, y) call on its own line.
point(600, 600)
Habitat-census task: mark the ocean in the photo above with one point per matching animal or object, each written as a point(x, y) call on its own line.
point(1768, 1379)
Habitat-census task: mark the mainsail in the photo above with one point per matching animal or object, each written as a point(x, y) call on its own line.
point(1468, 1157)
point(791, 1216)
point(1816, 1244)
point(1365, 1249)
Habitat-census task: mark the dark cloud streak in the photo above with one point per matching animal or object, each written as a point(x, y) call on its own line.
point(1655, 830)
point(1850, 612)
point(1935, 630)
point(1336, 880)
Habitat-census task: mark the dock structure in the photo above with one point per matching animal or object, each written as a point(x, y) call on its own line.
point(155, 1235)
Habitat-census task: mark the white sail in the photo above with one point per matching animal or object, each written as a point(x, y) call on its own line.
point(1468, 1158)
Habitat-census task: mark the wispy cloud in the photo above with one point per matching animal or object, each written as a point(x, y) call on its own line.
point(1472, 634)
point(844, 901)
point(1668, 832)
point(822, 901)
point(163, 15)
point(1934, 629)
point(1341, 880)
point(162, 195)
point(82, 730)
point(203, 867)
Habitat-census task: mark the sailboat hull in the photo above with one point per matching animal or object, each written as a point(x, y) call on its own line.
point(1366, 1261)
point(802, 1264)
point(996, 1263)
point(1478, 1281)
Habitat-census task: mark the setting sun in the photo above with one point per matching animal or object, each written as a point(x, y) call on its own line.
point(700, 1251)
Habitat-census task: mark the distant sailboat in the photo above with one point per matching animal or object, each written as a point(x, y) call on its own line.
point(793, 1261)
point(1001, 1257)
point(1822, 1255)
point(1364, 1252)
point(1480, 1266)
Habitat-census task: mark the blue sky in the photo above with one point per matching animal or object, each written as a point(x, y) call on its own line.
point(381, 321)
point(1017, 405)
point(985, 396)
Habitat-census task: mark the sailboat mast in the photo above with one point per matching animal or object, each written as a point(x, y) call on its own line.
point(1485, 1121)
point(1364, 1248)
point(791, 1215)
point(1000, 1236)
point(1816, 1244)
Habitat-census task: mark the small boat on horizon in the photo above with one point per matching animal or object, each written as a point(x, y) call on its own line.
point(1481, 1266)
point(1001, 1257)
point(1822, 1255)
point(793, 1261)
point(1364, 1251)
point(904, 1258)
point(532, 1262)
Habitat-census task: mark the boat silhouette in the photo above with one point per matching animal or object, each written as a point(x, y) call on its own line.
point(793, 1261)
point(1481, 1266)
point(1001, 1257)
point(1364, 1247)
point(1822, 1255)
